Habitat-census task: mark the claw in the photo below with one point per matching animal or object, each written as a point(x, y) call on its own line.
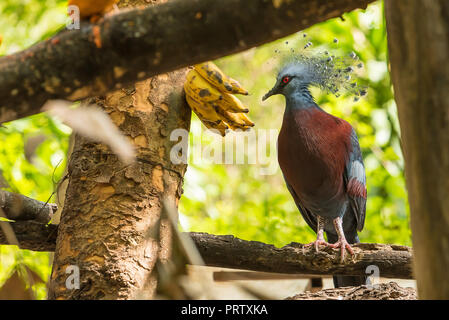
point(317, 243)
point(343, 244)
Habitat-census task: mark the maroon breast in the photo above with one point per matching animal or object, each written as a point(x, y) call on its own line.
point(312, 150)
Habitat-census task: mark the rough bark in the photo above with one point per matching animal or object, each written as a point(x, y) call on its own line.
point(19, 207)
point(110, 224)
point(418, 39)
point(136, 45)
point(393, 261)
point(32, 235)
point(384, 291)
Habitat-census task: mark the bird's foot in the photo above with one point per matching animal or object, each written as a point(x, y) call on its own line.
point(317, 244)
point(343, 244)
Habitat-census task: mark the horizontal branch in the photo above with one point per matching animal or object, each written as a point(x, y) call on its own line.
point(257, 275)
point(138, 44)
point(393, 261)
point(18, 207)
point(32, 235)
point(229, 252)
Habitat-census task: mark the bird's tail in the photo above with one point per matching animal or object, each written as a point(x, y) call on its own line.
point(346, 281)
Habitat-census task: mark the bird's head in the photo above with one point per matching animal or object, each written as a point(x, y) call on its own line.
point(292, 78)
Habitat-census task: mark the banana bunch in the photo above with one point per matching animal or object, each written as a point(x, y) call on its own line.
point(209, 92)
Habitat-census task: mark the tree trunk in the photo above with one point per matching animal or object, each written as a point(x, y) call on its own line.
point(110, 223)
point(418, 38)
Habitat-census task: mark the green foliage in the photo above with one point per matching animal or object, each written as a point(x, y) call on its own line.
point(230, 198)
point(25, 22)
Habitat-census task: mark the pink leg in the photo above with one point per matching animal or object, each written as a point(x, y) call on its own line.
point(341, 243)
point(320, 236)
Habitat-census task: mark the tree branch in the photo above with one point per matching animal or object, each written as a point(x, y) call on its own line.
point(33, 235)
point(227, 251)
point(393, 261)
point(138, 44)
point(19, 207)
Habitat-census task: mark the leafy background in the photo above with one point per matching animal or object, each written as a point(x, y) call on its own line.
point(228, 198)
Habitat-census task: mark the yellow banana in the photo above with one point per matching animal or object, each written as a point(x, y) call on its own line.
point(235, 120)
point(197, 87)
point(201, 90)
point(215, 76)
point(221, 127)
point(243, 118)
point(232, 104)
point(206, 89)
point(206, 113)
point(202, 109)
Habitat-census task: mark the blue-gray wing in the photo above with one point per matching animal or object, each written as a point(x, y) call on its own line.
point(355, 181)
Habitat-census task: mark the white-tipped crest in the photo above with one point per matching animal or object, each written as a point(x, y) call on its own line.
point(332, 74)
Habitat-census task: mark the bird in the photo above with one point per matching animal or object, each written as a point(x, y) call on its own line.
point(93, 9)
point(321, 161)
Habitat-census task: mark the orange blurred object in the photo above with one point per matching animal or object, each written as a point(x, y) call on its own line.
point(90, 8)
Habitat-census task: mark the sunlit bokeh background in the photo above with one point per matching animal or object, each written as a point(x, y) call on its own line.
point(236, 199)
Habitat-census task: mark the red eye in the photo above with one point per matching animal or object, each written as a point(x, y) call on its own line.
point(286, 79)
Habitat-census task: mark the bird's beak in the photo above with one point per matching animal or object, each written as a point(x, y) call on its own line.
point(272, 92)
